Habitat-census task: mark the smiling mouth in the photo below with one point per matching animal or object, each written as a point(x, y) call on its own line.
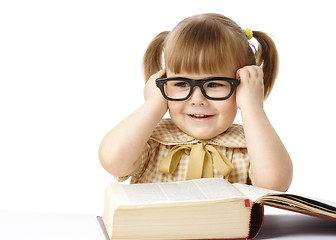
point(199, 116)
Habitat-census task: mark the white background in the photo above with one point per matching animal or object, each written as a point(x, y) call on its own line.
point(70, 70)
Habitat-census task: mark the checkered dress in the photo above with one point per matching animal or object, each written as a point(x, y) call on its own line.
point(166, 135)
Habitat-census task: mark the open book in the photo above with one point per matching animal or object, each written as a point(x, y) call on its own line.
point(207, 208)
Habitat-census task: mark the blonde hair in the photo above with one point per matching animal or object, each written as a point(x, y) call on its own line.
point(211, 43)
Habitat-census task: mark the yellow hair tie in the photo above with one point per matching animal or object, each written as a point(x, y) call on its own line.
point(248, 32)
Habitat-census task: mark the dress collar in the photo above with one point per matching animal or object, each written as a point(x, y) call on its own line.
point(168, 133)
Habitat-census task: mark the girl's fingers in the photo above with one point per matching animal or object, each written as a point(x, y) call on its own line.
point(249, 72)
point(243, 73)
point(251, 75)
point(158, 74)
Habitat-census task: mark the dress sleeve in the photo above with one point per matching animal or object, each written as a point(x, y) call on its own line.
point(144, 158)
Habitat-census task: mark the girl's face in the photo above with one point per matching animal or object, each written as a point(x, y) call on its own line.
point(200, 117)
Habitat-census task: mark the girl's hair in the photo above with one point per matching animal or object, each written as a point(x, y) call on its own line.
point(211, 43)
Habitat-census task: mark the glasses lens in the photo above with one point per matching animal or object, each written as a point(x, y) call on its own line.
point(177, 89)
point(217, 88)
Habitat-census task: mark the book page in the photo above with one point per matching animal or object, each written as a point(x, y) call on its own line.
point(256, 193)
point(253, 192)
point(217, 188)
point(308, 202)
point(200, 189)
point(328, 202)
point(143, 193)
point(184, 191)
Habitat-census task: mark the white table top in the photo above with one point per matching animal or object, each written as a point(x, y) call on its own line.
point(44, 226)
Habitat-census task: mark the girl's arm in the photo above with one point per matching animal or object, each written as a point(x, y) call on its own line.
point(121, 148)
point(271, 165)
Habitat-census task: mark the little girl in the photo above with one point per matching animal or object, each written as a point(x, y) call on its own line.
point(211, 69)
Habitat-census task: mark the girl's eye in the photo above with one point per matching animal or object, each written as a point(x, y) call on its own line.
point(181, 84)
point(215, 85)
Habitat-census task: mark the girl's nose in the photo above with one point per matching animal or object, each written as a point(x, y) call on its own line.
point(197, 97)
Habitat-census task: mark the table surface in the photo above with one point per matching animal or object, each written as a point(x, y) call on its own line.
point(49, 226)
point(44, 226)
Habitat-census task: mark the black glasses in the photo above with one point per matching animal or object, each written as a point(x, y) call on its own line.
point(180, 89)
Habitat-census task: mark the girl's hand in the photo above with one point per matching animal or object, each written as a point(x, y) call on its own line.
point(152, 92)
point(265, 149)
point(134, 131)
point(250, 92)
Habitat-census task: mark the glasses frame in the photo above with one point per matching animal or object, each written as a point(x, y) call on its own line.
point(234, 82)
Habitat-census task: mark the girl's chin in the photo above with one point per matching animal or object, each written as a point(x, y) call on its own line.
point(199, 127)
point(201, 133)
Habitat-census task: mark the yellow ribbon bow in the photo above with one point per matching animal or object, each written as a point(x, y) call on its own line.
point(248, 33)
point(201, 161)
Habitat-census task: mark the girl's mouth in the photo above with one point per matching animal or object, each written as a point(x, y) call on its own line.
point(199, 116)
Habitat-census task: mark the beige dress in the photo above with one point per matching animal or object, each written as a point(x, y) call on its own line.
point(167, 136)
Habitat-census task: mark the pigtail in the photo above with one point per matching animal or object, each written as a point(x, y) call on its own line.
point(267, 57)
point(152, 59)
